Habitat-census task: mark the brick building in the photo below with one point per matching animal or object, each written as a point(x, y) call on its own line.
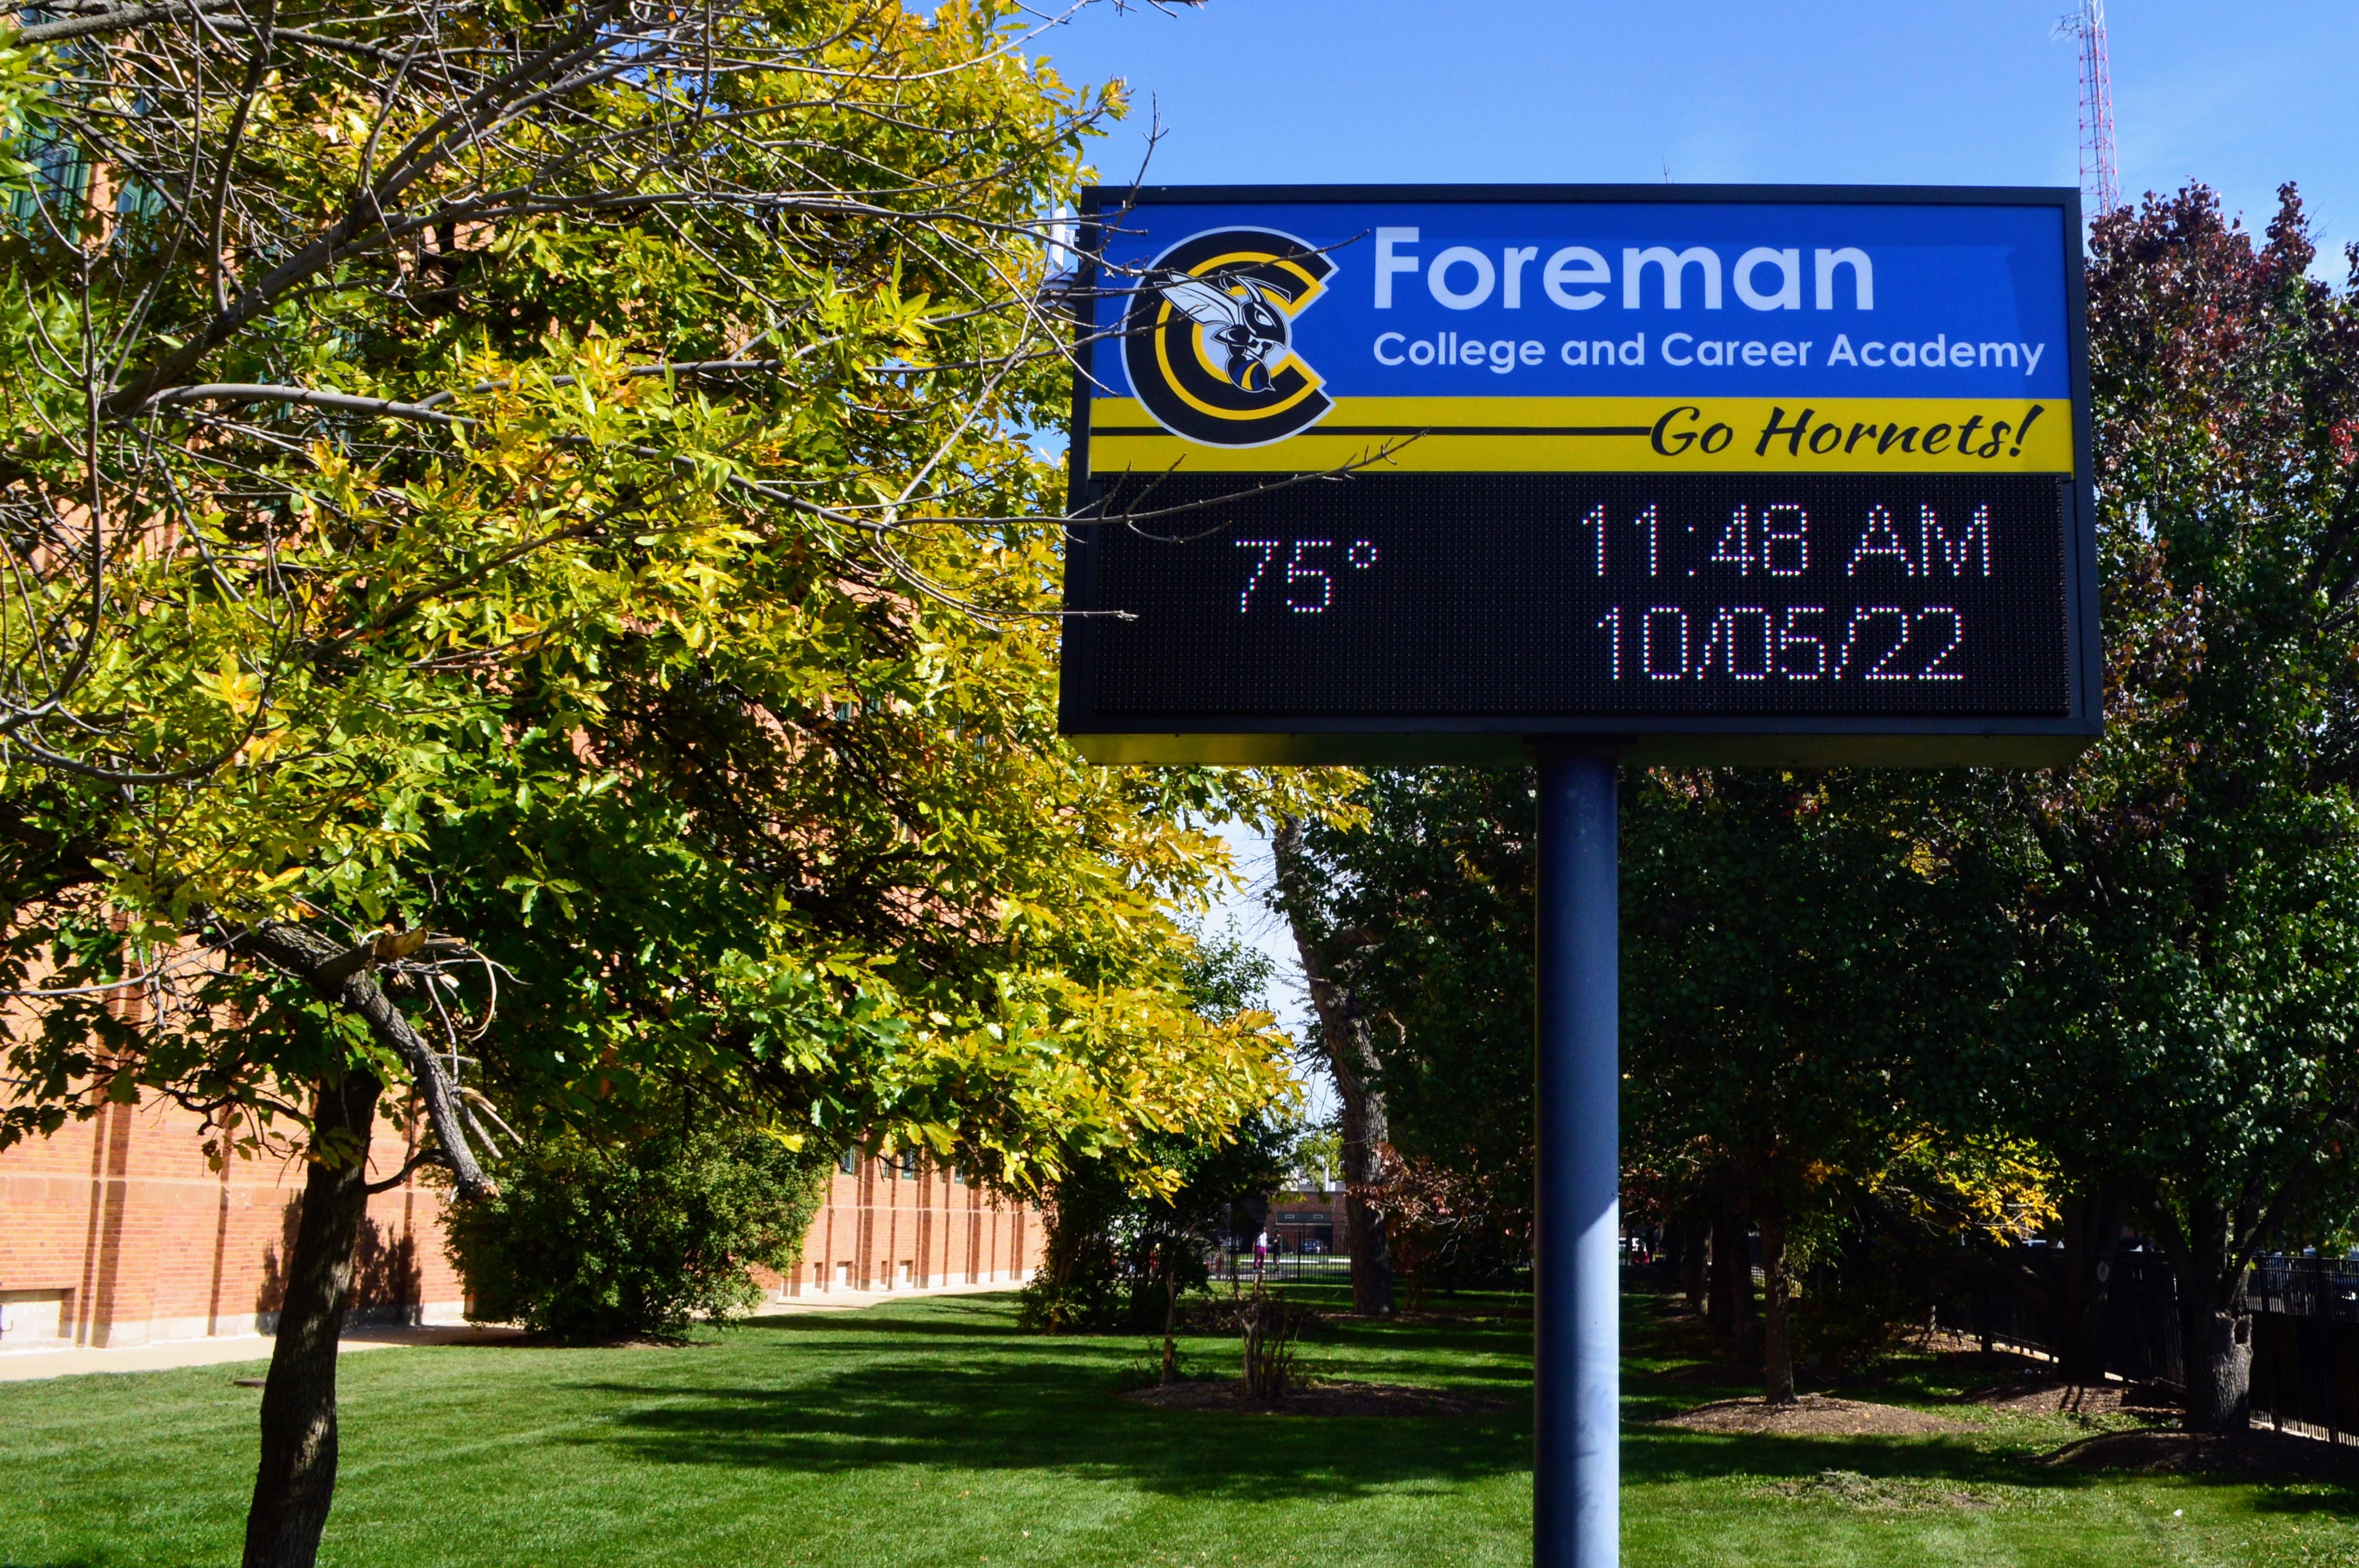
point(1308, 1220)
point(113, 1232)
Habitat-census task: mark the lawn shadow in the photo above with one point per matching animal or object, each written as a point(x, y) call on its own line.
point(1669, 1455)
point(970, 1317)
point(960, 1317)
point(1652, 1454)
point(2307, 1497)
point(1032, 1402)
point(1680, 1368)
point(955, 1384)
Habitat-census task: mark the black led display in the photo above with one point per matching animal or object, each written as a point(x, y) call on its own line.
point(1524, 595)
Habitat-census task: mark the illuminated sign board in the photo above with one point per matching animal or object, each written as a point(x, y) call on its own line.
point(1753, 475)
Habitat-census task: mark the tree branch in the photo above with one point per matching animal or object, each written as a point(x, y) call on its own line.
point(116, 21)
point(410, 1168)
point(426, 151)
point(248, 392)
point(330, 968)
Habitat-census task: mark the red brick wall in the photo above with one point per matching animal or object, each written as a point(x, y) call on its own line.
point(119, 1222)
point(891, 1227)
point(121, 1214)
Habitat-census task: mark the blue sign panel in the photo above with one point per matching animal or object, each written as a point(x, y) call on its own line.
point(1759, 473)
point(1852, 294)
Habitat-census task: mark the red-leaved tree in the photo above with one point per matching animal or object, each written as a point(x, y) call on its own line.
point(2190, 887)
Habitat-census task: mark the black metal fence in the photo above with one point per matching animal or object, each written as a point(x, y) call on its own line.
point(2306, 1342)
point(1229, 1264)
point(2305, 1333)
point(2143, 1327)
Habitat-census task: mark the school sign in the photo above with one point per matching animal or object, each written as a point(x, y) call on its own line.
point(1761, 474)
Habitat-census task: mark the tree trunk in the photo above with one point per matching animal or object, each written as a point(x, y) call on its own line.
point(296, 1478)
point(1777, 1323)
point(1733, 1314)
point(1170, 1317)
point(1692, 1260)
point(2215, 1326)
point(1346, 1041)
point(1720, 1288)
point(1364, 1136)
point(296, 1481)
point(2219, 1351)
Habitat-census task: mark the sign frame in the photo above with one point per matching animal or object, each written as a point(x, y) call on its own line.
point(1677, 739)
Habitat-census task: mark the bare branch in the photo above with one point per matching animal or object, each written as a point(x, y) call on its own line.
point(330, 970)
point(96, 23)
point(310, 397)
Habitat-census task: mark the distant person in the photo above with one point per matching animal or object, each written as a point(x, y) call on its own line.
point(1261, 1250)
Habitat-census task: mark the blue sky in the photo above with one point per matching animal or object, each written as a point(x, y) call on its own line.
point(2241, 96)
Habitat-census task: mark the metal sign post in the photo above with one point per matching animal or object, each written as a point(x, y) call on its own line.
point(1576, 1308)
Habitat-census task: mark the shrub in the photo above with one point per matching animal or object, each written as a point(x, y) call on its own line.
point(1117, 1257)
point(590, 1241)
point(1271, 1328)
point(1846, 1322)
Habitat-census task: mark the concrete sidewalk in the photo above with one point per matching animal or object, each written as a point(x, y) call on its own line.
point(164, 1355)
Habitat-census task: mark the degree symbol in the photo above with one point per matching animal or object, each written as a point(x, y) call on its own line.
point(1362, 554)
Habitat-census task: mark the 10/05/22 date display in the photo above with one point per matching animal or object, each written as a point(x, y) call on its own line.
point(1399, 595)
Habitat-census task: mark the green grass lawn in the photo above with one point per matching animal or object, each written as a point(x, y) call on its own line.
point(929, 1432)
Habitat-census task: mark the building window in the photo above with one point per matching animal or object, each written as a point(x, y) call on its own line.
point(849, 1163)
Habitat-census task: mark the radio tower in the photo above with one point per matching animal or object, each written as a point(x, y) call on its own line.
point(2098, 181)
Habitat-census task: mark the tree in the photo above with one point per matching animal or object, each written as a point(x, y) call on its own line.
point(1798, 952)
point(527, 587)
point(1119, 1255)
point(1788, 946)
point(2187, 890)
point(1334, 971)
point(1421, 922)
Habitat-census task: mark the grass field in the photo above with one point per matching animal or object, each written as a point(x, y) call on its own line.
point(929, 1432)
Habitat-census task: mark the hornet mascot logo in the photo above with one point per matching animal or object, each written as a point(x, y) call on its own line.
point(1209, 339)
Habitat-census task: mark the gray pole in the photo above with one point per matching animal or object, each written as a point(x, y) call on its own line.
point(1576, 1273)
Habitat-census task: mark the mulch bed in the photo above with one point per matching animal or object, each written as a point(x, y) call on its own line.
point(2044, 1396)
point(1448, 1315)
point(1710, 1372)
point(1812, 1415)
point(2253, 1455)
point(1955, 1355)
point(1327, 1397)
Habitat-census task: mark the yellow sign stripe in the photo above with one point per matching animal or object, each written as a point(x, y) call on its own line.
point(1622, 435)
